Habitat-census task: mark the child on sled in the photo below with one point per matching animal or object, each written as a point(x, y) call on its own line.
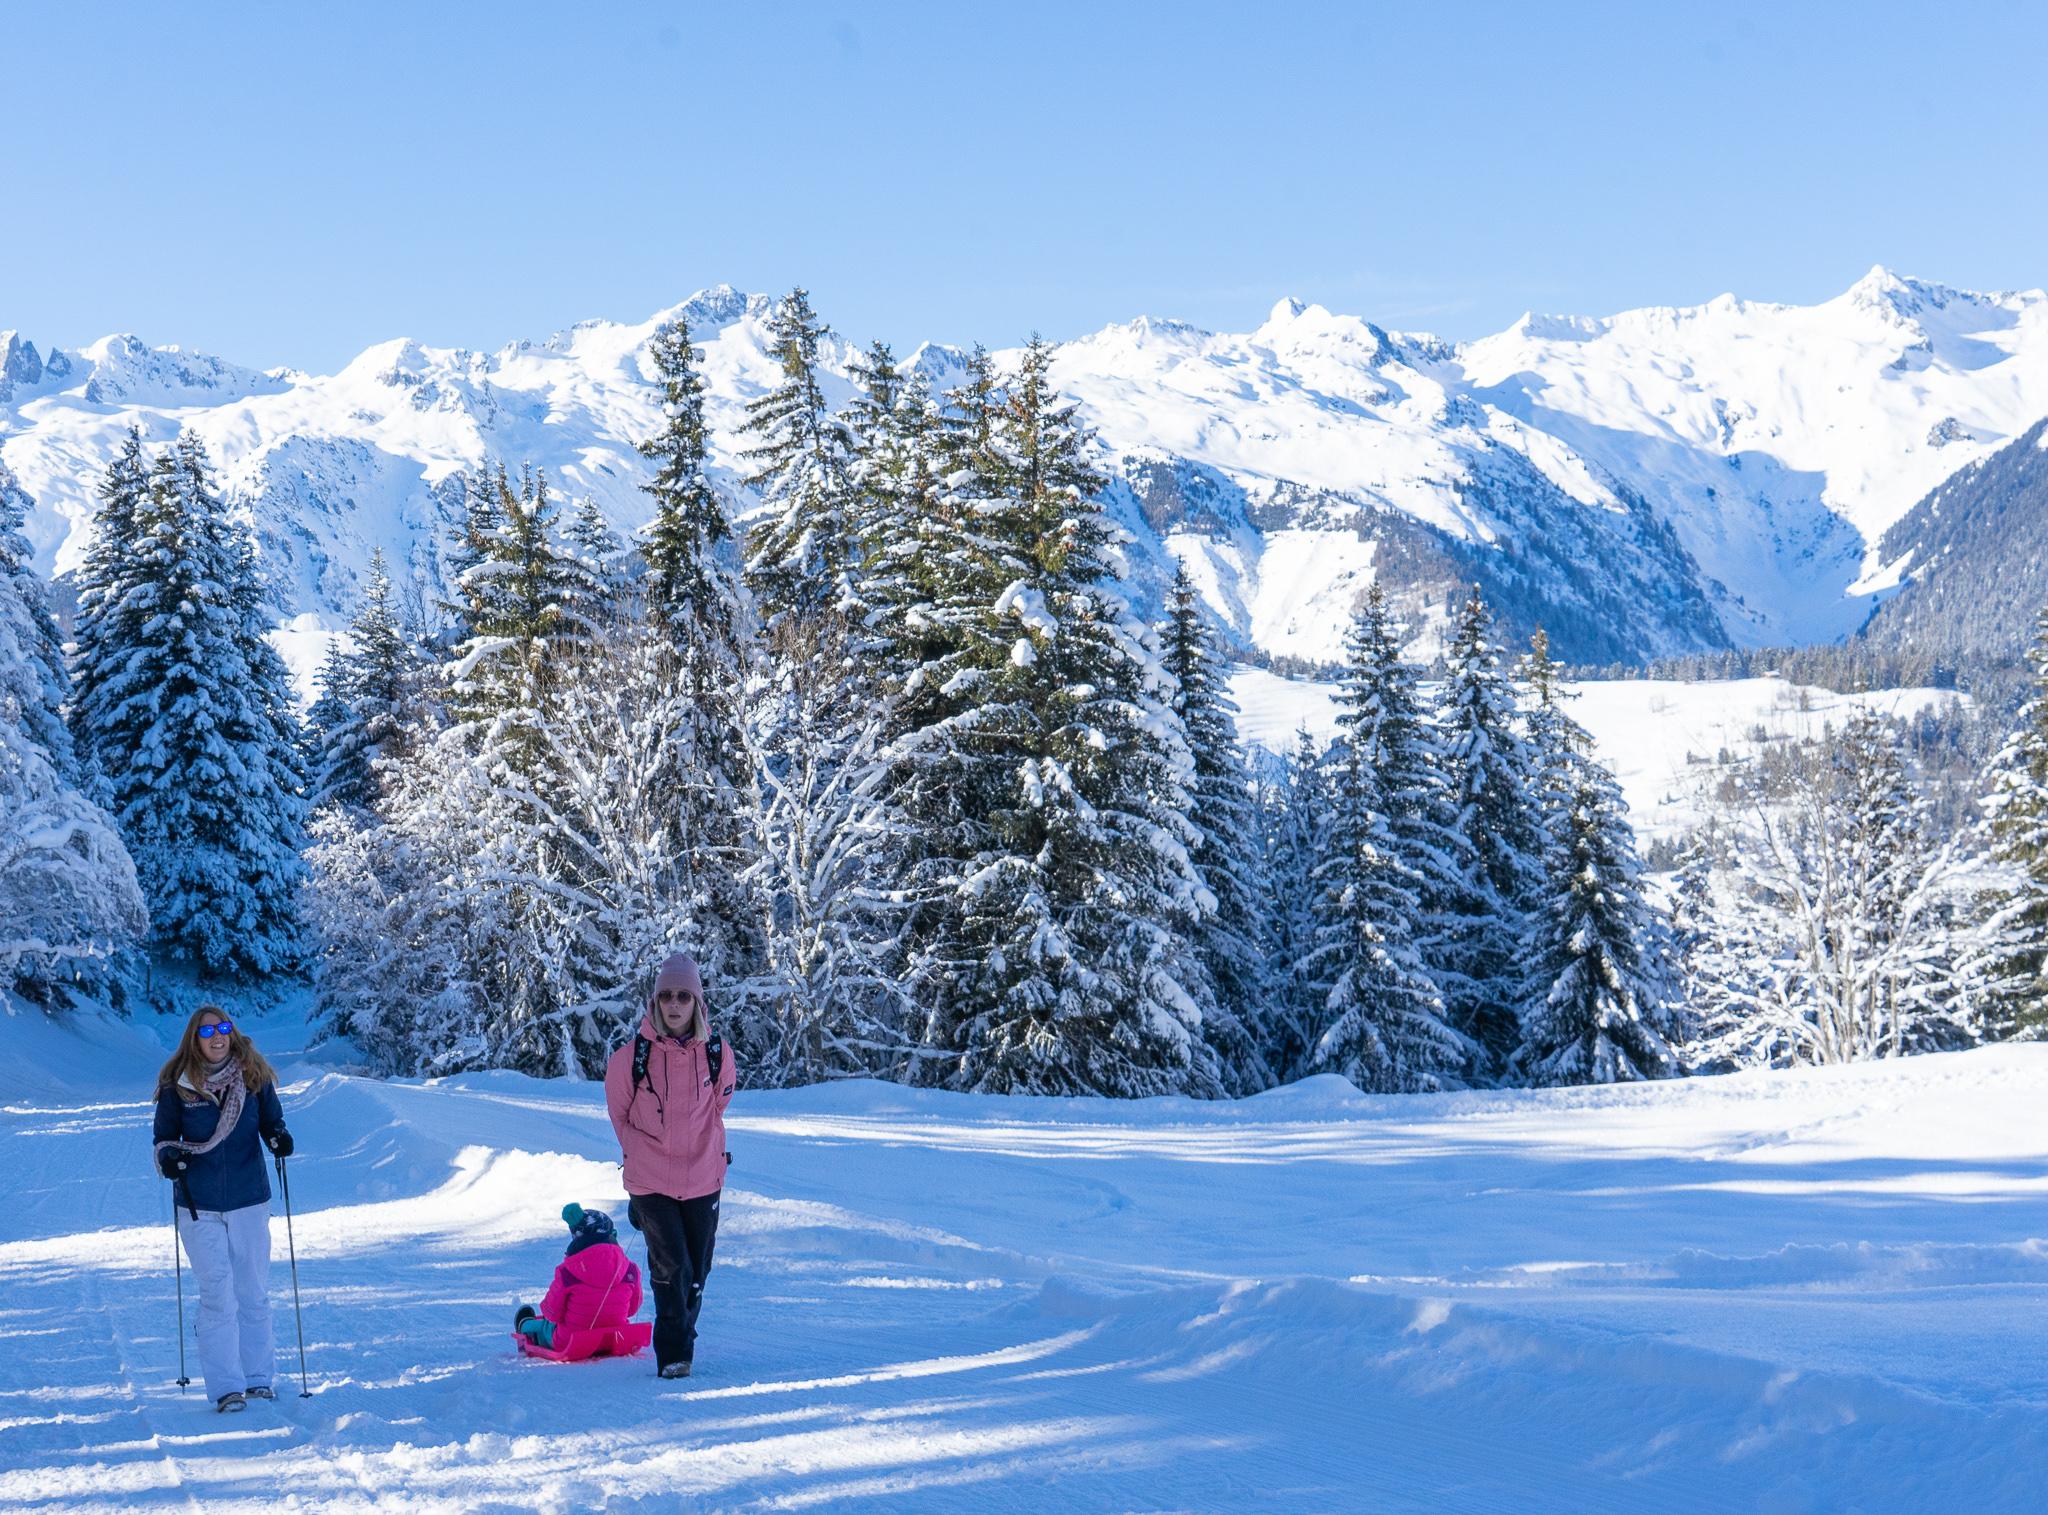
point(596, 1287)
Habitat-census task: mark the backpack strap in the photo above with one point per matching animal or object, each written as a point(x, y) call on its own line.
point(714, 1050)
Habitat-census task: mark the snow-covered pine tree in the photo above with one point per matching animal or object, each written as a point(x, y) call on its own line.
point(367, 690)
point(1599, 1005)
point(1230, 939)
point(800, 559)
point(871, 416)
point(198, 747)
point(337, 748)
point(893, 425)
point(933, 594)
point(38, 681)
point(602, 571)
point(1298, 830)
point(1706, 977)
point(68, 894)
point(1383, 1024)
point(687, 591)
point(483, 492)
point(692, 599)
point(388, 668)
point(105, 622)
point(522, 604)
point(1059, 962)
point(2016, 914)
point(1491, 775)
point(1557, 744)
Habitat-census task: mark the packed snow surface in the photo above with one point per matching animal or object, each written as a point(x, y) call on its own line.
point(1809, 1291)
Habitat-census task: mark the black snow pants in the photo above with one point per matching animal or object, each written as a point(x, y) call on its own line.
point(680, 1234)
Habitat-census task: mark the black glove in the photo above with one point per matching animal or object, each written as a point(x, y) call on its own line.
point(171, 1163)
point(280, 1142)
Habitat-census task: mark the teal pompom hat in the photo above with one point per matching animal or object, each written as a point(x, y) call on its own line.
point(587, 1228)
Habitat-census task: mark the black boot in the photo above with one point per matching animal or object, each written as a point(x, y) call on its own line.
point(526, 1313)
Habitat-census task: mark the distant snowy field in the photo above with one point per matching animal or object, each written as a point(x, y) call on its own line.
point(1662, 739)
point(1818, 1291)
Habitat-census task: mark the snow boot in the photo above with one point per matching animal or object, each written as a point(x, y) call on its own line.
point(259, 1391)
point(231, 1401)
point(676, 1370)
point(526, 1313)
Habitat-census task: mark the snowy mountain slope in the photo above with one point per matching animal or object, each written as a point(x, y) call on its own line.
point(1658, 481)
point(1810, 1291)
point(1334, 458)
point(1780, 441)
point(1973, 558)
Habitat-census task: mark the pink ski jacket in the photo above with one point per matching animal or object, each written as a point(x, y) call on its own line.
point(671, 1128)
point(598, 1286)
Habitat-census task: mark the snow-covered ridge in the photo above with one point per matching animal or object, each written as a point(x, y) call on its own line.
point(1667, 743)
point(1654, 481)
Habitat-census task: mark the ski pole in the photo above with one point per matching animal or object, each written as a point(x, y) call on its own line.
point(305, 1390)
point(178, 1269)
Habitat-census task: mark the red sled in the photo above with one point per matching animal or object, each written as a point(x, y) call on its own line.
point(592, 1341)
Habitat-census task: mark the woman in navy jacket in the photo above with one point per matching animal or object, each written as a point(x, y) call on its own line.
point(216, 1109)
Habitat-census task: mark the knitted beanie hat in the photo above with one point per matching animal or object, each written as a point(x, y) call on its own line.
point(587, 1228)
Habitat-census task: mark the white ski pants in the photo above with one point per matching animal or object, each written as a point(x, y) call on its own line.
point(230, 1253)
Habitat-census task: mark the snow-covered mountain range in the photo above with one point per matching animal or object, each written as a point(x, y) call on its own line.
point(1658, 481)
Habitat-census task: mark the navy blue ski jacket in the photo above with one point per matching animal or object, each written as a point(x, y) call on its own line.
point(232, 1176)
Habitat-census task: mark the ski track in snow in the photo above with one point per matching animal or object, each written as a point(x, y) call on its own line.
point(1810, 1291)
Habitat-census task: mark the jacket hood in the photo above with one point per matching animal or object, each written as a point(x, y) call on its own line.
point(601, 1264)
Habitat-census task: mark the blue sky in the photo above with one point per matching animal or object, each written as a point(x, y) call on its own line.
point(289, 183)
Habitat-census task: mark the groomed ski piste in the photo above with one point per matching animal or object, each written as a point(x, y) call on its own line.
point(1823, 1290)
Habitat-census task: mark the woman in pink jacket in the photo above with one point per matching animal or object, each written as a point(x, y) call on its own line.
point(667, 1090)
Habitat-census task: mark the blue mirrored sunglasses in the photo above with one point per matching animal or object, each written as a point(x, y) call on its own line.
point(218, 1028)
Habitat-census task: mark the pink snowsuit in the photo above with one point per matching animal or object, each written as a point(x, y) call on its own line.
point(671, 1128)
point(598, 1286)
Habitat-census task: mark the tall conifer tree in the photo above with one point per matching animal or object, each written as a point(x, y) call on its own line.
point(1389, 857)
point(1060, 964)
point(801, 558)
point(1599, 1003)
point(68, 894)
point(1231, 937)
point(2018, 810)
point(106, 620)
point(1490, 768)
point(198, 746)
point(1298, 831)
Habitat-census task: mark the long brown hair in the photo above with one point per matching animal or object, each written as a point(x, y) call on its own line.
point(189, 1063)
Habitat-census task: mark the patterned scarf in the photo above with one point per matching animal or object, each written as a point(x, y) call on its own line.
point(226, 1087)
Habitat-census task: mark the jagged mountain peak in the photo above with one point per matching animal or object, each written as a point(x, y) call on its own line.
point(1653, 481)
point(1294, 323)
point(1897, 295)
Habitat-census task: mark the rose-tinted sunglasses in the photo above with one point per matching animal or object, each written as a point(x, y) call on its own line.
point(218, 1028)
